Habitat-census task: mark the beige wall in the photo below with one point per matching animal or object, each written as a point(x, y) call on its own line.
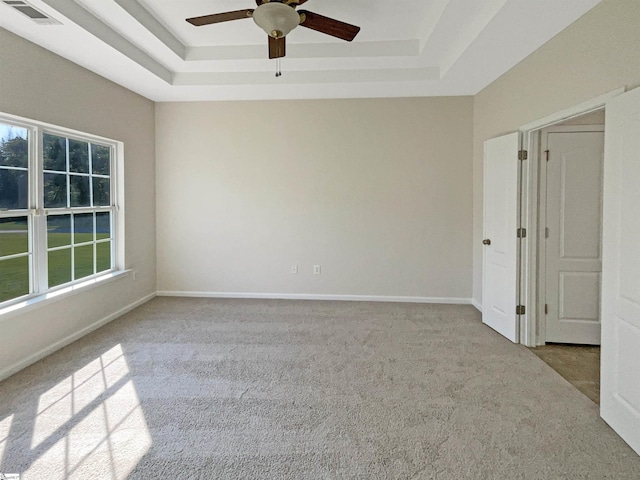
point(598, 53)
point(37, 84)
point(377, 192)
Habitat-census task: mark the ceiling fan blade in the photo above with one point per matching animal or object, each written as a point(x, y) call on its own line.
point(277, 47)
point(327, 25)
point(298, 2)
point(220, 17)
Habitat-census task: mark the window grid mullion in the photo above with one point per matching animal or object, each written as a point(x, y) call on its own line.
point(57, 249)
point(83, 244)
point(20, 169)
point(15, 255)
point(78, 174)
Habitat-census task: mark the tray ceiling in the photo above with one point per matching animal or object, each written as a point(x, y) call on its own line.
point(405, 48)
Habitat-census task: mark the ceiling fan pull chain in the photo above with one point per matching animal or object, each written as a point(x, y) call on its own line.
point(278, 68)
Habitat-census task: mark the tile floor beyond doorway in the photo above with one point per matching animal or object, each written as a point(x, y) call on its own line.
point(578, 364)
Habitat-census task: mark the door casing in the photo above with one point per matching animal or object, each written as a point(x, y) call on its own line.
point(532, 323)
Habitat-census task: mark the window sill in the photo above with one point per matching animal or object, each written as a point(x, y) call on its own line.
point(48, 298)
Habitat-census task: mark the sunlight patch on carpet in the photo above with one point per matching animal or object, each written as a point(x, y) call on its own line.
point(5, 428)
point(91, 419)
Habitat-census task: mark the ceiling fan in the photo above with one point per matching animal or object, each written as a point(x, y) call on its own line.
point(277, 18)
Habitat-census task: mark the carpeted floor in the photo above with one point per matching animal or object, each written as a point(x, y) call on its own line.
point(250, 389)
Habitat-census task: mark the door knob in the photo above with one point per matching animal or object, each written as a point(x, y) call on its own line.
point(486, 241)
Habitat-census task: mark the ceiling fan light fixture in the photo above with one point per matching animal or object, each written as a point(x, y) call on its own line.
point(276, 19)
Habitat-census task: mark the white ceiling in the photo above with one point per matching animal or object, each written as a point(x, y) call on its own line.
point(405, 48)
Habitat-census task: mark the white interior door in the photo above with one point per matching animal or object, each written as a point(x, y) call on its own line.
point(620, 370)
point(573, 253)
point(500, 259)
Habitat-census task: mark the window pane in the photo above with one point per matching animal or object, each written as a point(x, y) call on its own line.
point(83, 228)
point(83, 261)
point(79, 191)
point(59, 267)
point(14, 189)
point(103, 254)
point(54, 153)
point(101, 159)
point(78, 156)
point(14, 278)
point(14, 146)
point(103, 225)
point(14, 236)
point(101, 194)
point(58, 230)
point(55, 190)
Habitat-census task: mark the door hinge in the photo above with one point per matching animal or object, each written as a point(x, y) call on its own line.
point(523, 155)
point(522, 233)
point(520, 310)
point(546, 232)
point(546, 309)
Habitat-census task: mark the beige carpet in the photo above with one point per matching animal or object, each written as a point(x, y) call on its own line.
point(242, 389)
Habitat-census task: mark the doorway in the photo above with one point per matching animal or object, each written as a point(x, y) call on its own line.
point(570, 229)
point(570, 162)
point(564, 285)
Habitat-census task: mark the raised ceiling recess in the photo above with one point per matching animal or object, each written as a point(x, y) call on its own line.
point(404, 48)
point(278, 18)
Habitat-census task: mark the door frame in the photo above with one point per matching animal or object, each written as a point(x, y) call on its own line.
point(530, 293)
point(542, 187)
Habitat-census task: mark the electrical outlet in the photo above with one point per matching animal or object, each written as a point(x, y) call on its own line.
point(135, 275)
point(316, 269)
point(294, 269)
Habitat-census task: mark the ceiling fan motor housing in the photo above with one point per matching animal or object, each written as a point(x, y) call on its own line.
point(276, 19)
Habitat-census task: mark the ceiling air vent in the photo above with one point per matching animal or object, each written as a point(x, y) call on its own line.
point(31, 12)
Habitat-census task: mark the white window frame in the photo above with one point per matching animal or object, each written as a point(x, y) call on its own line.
point(37, 214)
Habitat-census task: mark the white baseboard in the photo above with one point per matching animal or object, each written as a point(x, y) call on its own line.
point(304, 296)
point(476, 304)
point(7, 372)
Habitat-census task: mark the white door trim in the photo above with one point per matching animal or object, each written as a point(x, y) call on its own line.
point(576, 111)
point(529, 289)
